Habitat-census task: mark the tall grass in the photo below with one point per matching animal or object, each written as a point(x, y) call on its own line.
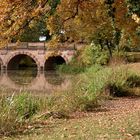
point(92, 87)
point(16, 112)
point(115, 80)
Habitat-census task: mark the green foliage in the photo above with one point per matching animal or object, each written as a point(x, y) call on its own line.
point(113, 80)
point(134, 6)
point(134, 80)
point(53, 4)
point(93, 54)
point(70, 69)
point(119, 54)
point(90, 55)
point(94, 69)
point(36, 29)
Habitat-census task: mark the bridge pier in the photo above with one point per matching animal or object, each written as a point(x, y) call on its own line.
point(3, 69)
point(41, 68)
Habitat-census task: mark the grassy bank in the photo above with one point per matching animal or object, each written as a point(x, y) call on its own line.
point(89, 90)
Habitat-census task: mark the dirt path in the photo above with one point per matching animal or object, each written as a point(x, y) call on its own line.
point(116, 107)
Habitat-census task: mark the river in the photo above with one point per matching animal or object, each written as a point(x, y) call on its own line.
point(34, 82)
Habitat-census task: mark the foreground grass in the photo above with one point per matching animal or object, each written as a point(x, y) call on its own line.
point(103, 126)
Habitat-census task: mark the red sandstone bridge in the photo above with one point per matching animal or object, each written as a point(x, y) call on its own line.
point(42, 57)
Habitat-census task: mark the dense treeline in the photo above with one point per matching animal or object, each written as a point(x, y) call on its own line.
point(110, 23)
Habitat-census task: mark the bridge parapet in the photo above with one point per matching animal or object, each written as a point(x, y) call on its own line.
point(37, 46)
point(40, 45)
point(25, 45)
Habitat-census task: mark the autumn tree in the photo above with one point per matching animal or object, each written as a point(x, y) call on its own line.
point(38, 27)
point(18, 15)
point(109, 23)
point(105, 22)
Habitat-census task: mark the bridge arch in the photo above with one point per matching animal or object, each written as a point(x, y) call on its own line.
point(53, 61)
point(14, 58)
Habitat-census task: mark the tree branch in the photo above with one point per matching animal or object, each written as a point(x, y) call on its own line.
point(75, 14)
point(41, 5)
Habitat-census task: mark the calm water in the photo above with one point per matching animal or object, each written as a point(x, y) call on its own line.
point(33, 81)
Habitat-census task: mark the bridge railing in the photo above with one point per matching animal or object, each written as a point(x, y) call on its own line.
point(25, 45)
point(41, 46)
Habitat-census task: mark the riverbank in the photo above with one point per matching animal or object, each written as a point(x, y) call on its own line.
point(114, 118)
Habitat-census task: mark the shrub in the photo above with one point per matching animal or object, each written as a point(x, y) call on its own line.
point(92, 54)
point(86, 57)
point(134, 80)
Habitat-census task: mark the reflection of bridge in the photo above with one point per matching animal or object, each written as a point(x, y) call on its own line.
point(38, 83)
point(38, 52)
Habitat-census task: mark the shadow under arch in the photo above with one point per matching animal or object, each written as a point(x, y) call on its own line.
point(53, 61)
point(1, 63)
point(22, 62)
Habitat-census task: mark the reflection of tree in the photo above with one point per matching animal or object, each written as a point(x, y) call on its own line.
point(27, 63)
point(22, 77)
point(54, 78)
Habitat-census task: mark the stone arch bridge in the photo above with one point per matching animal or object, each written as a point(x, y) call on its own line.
point(38, 52)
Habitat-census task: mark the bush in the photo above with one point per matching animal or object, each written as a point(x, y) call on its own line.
point(134, 80)
point(90, 55)
point(93, 54)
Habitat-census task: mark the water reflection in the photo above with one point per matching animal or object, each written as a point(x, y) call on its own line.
point(22, 77)
point(47, 82)
point(54, 78)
